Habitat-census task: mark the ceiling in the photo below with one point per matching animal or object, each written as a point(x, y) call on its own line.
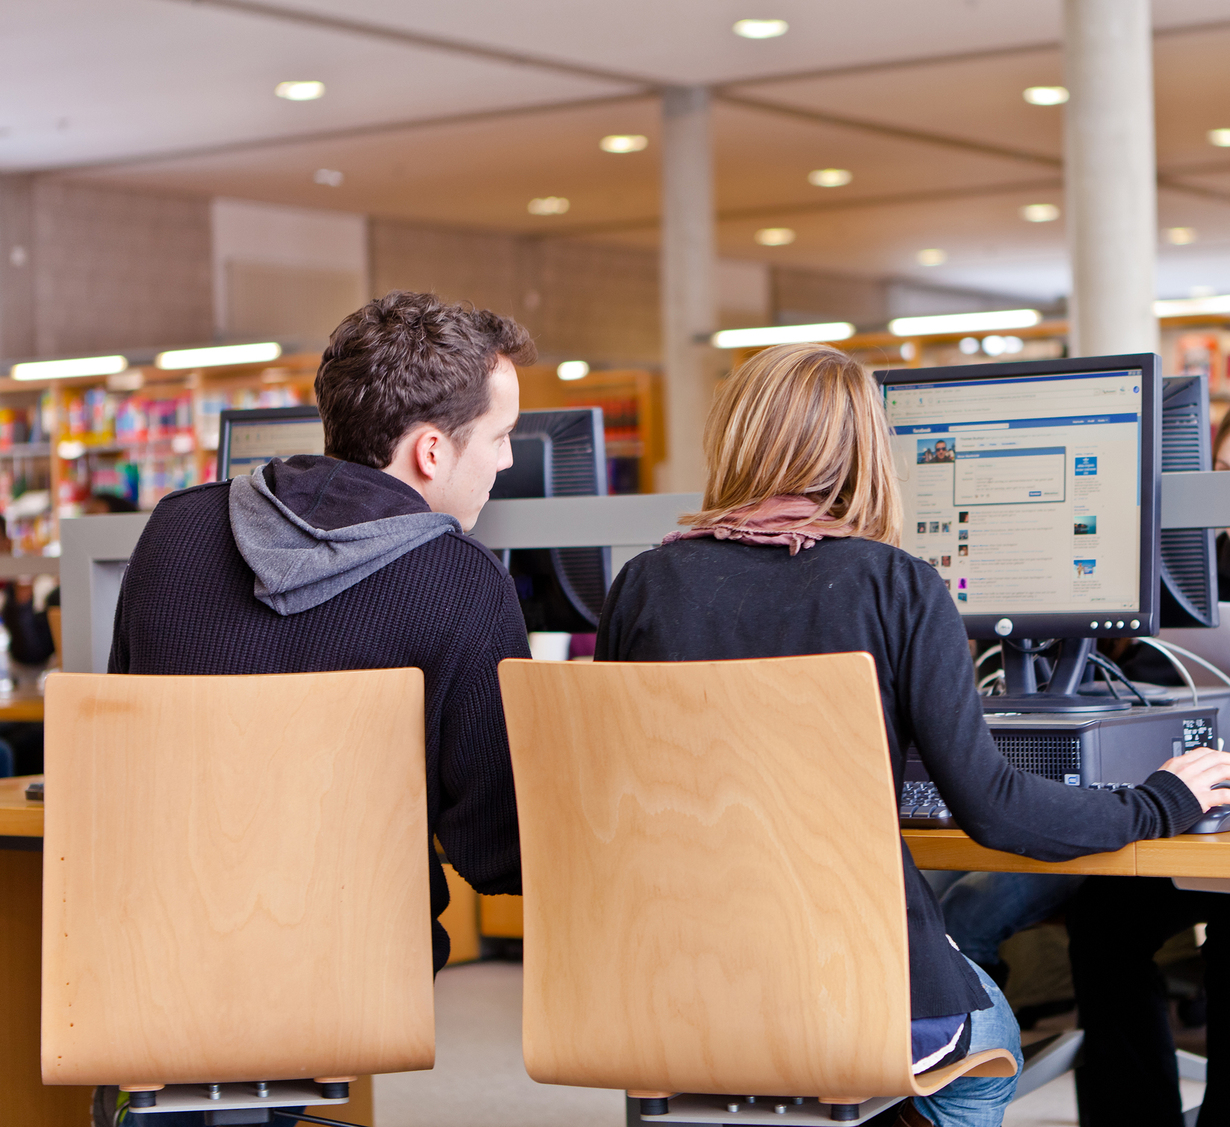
point(460, 113)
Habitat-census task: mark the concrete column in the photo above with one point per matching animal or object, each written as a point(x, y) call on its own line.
point(689, 297)
point(1110, 175)
point(17, 328)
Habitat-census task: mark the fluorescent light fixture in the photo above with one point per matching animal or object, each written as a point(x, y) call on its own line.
point(761, 29)
point(782, 334)
point(775, 236)
point(548, 205)
point(1220, 138)
point(300, 91)
point(1046, 95)
point(1039, 213)
point(830, 177)
point(932, 256)
point(218, 354)
point(1192, 306)
point(964, 322)
point(66, 369)
point(329, 177)
point(1180, 236)
point(572, 370)
point(623, 143)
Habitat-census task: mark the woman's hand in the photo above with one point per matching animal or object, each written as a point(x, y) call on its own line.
point(1202, 770)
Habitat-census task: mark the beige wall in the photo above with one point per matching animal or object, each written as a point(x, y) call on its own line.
point(118, 269)
point(584, 300)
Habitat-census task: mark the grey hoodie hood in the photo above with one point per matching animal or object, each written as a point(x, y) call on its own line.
point(299, 565)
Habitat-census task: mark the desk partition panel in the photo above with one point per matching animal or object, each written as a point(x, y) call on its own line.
point(96, 549)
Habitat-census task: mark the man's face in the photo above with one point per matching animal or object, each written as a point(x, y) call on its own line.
point(468, 472)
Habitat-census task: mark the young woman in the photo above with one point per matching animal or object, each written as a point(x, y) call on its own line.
point(795, 552)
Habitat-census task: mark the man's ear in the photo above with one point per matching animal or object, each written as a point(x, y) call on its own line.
point(425, 453)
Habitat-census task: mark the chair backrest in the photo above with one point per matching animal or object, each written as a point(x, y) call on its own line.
point(712, 870)
point(235, 878)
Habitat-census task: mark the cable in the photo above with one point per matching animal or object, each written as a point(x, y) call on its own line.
point(989, 679)
point(1109, 667)
point(301, 1116)
point(1164, 649)
point(994, 651)
point(1188, 654)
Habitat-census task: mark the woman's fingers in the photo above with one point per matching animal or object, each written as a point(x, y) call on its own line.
point(1202, 770)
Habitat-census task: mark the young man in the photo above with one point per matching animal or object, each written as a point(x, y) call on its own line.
point(357, 560)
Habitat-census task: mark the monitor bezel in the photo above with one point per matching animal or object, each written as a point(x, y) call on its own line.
point(1077, 624)
point(233, 415)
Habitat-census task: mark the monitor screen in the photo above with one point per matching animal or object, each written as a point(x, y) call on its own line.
point(1032, 493)
point(251, 438)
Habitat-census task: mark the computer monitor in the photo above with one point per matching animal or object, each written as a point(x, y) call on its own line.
point(247, 439)
point(1189, 555)
point(558, 453)
point(1034, 490)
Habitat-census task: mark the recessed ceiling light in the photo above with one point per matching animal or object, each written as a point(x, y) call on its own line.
point(330, 177)
point(1039, 213)
point(775, 236)
point(1192, 307)
point(66, 369)
point(572, 370)
point(781, 334)
point(932, 256)
point(210, 357)
point(623, 143)
point(1180, 236)
point(830, 177)
point(761, 29)
point(548, 205)
point(1046, 95)
point(300, 91)
point(964, 322)
point(1220, 138)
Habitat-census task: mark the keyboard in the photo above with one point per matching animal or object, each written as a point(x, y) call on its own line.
point(923, 809)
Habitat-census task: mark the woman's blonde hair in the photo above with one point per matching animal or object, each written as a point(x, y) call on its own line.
point(802, 418)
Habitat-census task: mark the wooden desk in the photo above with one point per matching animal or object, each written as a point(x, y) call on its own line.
point(19, 818)
point(26, 1102)
point(1189, 855)
point(23, 706)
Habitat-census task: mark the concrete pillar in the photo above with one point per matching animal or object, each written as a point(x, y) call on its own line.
point(1110, 175)
point(17, 327)
point(689, 297)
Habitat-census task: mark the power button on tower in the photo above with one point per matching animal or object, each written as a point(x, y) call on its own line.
point(1003, 627)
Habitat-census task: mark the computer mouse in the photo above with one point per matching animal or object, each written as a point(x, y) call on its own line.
point(1216, 820)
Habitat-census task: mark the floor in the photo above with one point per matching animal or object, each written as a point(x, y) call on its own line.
point(479, 1080)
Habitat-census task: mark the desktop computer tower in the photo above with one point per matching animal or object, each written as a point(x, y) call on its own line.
point(1102, 750)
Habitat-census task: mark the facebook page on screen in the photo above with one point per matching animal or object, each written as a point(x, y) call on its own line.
point(1024, 493)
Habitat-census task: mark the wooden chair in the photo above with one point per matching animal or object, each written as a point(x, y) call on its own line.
point(235, 886)
point(714, 899)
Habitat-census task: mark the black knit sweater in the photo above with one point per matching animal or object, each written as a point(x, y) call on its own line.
point(695, 600)
point(447, 607)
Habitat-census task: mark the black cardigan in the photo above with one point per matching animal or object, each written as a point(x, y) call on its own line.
point(695, 600)
point(447, 607)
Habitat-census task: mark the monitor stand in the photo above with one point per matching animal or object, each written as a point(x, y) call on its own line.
point(1021, 681)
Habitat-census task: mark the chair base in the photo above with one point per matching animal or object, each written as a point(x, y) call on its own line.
point(810, 1113)
point(195, 1097)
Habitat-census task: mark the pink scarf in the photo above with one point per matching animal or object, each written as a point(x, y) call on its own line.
point(788, 519)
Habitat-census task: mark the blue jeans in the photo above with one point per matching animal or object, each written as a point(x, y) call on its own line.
point(979, 1101)
point(981, 910)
